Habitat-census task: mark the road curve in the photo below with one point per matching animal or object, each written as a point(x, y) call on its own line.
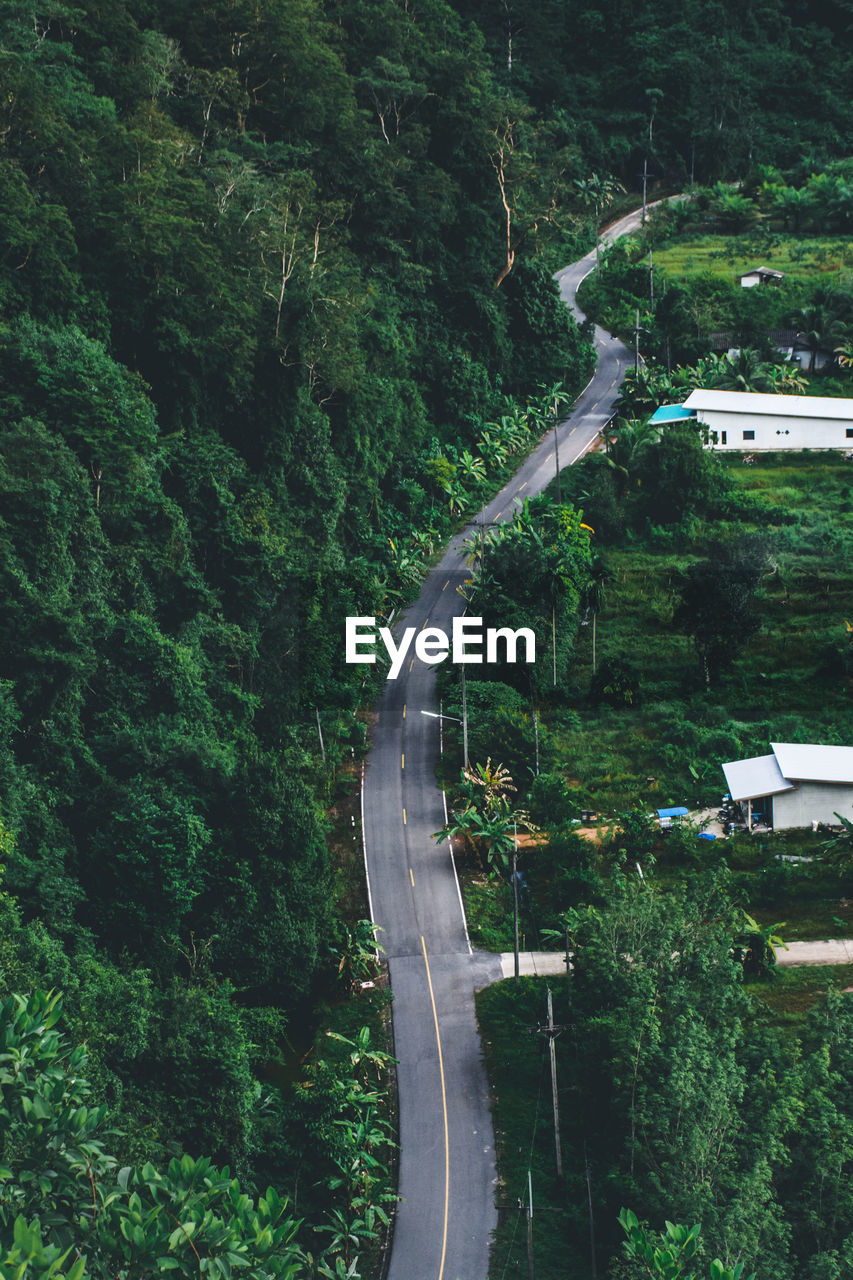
point(447, 1175)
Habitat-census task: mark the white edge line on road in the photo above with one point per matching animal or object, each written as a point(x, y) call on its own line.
point(366, 868)
point(456, 876)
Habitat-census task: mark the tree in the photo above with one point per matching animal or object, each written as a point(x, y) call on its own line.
point(745, 371)
point(715, 609)
point(597, 192)
point(677, 478)
point(535, 571)
point(756, 946)
point(486, 818)
point(140, 1220)
point(626, 447)
point(672, 1255)
point(815, 330)
point(595, 594)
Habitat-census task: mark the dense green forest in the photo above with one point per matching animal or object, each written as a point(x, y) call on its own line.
point(274, 277)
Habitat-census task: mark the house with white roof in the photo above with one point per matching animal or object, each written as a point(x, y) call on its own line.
point(797, 785)
point(750, 421)
point(760, 275)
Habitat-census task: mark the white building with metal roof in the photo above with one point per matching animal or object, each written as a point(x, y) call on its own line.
point(797, 785)
point(749, 421)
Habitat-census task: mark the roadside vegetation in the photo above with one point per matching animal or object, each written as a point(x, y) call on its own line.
point(684, 1094)
point(699, 1083)
point(276, 311)
point(681, 273)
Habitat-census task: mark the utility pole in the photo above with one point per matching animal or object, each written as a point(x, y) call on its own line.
point(529, 1226)
point(645, 180)
point(554, 640)
point(592, 1267)
point(464, 722)
point(552, 1031)
point(552, 1034)
point(536, 736)
point(637, 342)
point(651, 281)
point(557, 453)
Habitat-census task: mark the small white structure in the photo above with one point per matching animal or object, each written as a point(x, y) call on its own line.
point(750, 421)
point(760, 275)
point(798, 785)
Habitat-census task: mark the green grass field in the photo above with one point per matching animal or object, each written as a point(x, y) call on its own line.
point(728, 257)
point(778, 688)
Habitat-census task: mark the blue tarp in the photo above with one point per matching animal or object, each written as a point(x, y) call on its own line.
point(672, 813)
point(706, 835)
point(672, 413)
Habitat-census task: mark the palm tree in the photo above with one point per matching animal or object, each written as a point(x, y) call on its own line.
point(731, 210)
point(745, 371)
point(624, 450)
point(643, 390)
point(793, 205)
point(814, 329)
point(597, 192)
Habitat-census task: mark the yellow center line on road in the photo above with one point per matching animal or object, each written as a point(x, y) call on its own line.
point(412, 877)
point(404, 710)
point(446, 585)
point(523, 486)
point(403, 760)
point(550, 456)
point(404, 818)
point(426, 620)
point(411, 664)
point(573, 430)
point(444, 1109)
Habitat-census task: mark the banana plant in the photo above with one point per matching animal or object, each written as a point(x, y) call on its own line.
point(471, 470)
point(493, 450)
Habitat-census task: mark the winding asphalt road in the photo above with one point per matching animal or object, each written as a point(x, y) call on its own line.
point(447, 1175)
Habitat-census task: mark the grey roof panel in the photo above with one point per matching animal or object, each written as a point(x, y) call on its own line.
point(758, 776)
point(762, 402)
point(811, 762)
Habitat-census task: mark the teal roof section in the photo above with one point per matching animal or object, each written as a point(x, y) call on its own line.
point(672, 413)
